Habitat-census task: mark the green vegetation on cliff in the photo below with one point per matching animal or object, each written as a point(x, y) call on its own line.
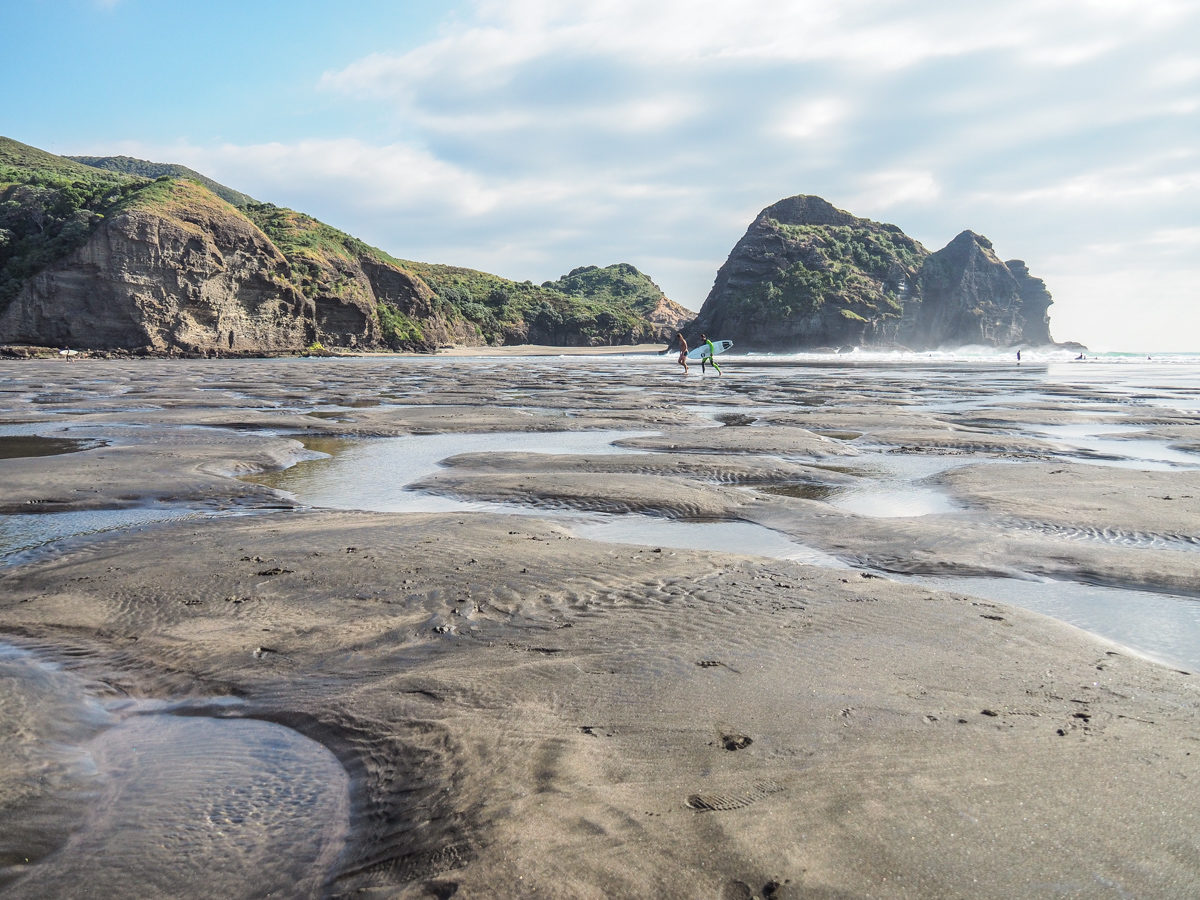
point(49, 206)
point(621, 285)
point(511, 312)
point(127, 165)
point(808, 275)
point(396, 328)
point(300, 235)
point(173, 198)
point(500, 311)
point(319, 256)
point(324, 262)
point(858, 272)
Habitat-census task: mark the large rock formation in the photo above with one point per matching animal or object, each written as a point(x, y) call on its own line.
point(968, 296)
point(1035, 304)
point(807, 275)
point(623, 285)
point(182, 271)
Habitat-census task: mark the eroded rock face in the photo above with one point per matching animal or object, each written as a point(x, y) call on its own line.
point(669, 316)
point(198, 280)
point(192, 275)
point(967, 296)
point(1035, 303)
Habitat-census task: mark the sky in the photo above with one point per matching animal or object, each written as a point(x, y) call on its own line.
point(528, 137)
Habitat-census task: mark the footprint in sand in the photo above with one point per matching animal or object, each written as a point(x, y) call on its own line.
point(720, 802)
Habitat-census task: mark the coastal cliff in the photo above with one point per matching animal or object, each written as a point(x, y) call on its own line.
point(807, 275)
point(102, 256)
point(179, 270)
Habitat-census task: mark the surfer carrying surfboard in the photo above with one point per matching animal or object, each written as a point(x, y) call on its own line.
point(710, 359)
point(683, 351)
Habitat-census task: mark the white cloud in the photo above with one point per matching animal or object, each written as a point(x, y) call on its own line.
point(397, 177)
point(880, 191)
point(879, 34)
point(870, 35)
point(1175, 70)
point(815, 118)
point(636, 116)
point(1133, 292)
point(1152, 248)
point(1132, 306)
point(1177, 240)
point(474, 56)
point(1145, 180)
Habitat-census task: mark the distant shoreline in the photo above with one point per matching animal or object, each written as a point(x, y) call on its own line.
point(858, 356)
point(18, 352)
point(548, 350)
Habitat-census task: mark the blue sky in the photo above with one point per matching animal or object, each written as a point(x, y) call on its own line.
point(528, 137)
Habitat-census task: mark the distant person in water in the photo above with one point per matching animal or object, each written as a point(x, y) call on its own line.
point(711, 359)
point(682, 352)
point(1018, 356)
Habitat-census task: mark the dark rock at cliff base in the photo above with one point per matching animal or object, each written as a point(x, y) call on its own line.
point(807, 275)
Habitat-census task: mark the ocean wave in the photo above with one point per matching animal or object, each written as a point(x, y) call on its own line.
point(979, 354)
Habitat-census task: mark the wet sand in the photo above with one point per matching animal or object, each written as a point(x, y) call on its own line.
point(522, 712)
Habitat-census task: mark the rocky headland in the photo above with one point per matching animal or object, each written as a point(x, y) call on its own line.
point(807, 275)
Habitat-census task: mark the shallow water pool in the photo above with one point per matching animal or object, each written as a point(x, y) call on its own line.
point(162, 799)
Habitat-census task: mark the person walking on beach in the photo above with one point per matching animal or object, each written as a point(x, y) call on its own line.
point(682, 352)
point(711, 358)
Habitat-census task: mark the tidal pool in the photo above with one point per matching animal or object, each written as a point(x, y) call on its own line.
point(25, 446)
point(23, 535)
point(151, 798)
point(894, 485)
point(373, 474)
point(1115, 445)
point(1161, 627)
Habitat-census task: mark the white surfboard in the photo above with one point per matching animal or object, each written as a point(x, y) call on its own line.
point(702, 351)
